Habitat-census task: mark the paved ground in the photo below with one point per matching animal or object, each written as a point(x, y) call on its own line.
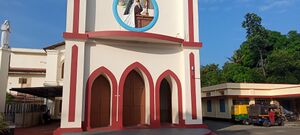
point(219, 127)
point(227, 128)
point(48, 130)
point(161, 131)
point(38, 130)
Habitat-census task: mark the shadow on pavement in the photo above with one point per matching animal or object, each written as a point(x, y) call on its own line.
point(38, 130)
point(233, 132)
point(158, 131)
point(217, 124)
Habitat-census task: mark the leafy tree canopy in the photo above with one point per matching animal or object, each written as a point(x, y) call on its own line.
point(265, 56)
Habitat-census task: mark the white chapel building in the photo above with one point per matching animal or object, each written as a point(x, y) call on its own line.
point(124, 63)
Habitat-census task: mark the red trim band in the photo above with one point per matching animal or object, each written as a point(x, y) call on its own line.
point(110, 34)
point(12, 69)
point(134, 34)
point(193, 44)
point(60, 131)
point(193, 86)
point(191, 20)
point(196, 126)
point(67, 35)
point(91, 79)
point(261, 96)
point(73, 83)
point(76, 16)
point(256, 96)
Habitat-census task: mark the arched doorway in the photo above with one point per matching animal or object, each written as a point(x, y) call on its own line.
point(134, 100)
point(165, 102)
point(100, 103)
point(176, 97)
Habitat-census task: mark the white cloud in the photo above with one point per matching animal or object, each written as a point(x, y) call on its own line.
point(276, 4)
point(213, 1)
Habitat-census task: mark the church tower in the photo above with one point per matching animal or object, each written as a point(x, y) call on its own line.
point(131, 63)
point(4, 62)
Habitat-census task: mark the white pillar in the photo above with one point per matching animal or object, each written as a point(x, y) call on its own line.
point(73, 118)
point(4, 67)
point(187, 89)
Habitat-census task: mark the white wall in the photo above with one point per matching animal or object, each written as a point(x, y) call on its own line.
point(117, 56)
point(33, 80)
point(28, 58)
point(251, 89)
point(215, 106)
point(97, 15)
point(124, 55)
point(170, 22)
point(51, 61)
point(22, 58)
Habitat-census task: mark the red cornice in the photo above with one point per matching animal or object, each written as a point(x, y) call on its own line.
point(193, 44)
point(260, 89)
point(257, 96)
point(109, 34)
point(67, 35)
point(273, 96)
point(134, 34)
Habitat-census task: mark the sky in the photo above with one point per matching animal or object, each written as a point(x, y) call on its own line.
point(220, 24)
point(39, 23)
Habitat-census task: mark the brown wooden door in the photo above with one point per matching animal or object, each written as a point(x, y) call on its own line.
point(165, 102)
point(100, 103)
point(134, 100)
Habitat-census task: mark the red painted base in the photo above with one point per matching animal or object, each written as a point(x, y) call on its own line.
point(60, 131)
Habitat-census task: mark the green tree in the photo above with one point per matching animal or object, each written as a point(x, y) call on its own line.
point(3, 124)
point(284, 64)
point(257, 37)
point(265, 56)
point(237, 73)
point(9, 98)
point(211, 75)
point(245, 57)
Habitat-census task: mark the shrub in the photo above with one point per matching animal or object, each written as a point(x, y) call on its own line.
point(3, 124)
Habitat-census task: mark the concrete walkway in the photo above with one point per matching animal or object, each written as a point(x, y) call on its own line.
point(38, 130)
point(48, 130)
point(228, 128)
point(159, 131)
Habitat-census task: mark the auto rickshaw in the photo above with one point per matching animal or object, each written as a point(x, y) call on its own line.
point(266, 115)
point(239, 113)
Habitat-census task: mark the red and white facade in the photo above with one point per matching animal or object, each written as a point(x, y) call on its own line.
point(99, 50)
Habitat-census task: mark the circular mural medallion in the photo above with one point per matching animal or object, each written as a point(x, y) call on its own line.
point(136, 15)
